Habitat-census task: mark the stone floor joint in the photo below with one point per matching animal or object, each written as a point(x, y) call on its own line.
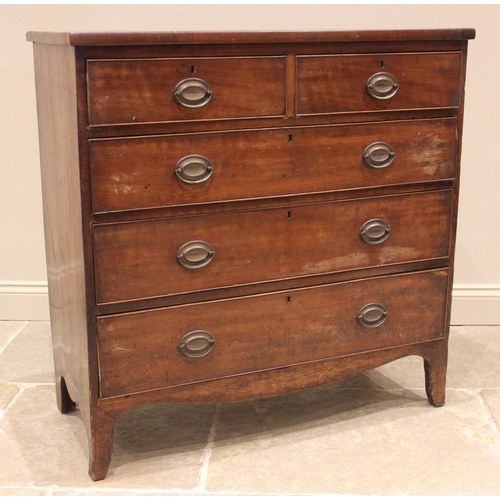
point(202, 478)
point(491, 418)
point(14, 399)
point(13, 336)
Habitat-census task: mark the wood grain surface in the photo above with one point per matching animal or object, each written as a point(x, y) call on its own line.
point(285, 130)
point(248, 37)
point(138, 172)
point(337, 84)
point(142, 90)
point(139, 351)
point(139, 259)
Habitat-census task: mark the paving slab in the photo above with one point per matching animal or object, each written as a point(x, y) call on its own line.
point(492, 400)
point(7, 394)
point(373, 434)
point(28, 358)
point(473, 363)
point(361, 442)
point(9, 328)
point(23, 492)
point(155, 447)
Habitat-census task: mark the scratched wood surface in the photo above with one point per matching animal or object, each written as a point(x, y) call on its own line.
point(267, 245)
point(267, 331)
point(138, 172)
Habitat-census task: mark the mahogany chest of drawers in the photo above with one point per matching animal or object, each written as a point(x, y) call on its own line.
point(232, 216)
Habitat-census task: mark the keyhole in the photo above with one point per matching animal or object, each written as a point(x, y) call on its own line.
point(193, 70)
point(290, 138)
point(289, 216)
point(382, 64)
point(289, 299)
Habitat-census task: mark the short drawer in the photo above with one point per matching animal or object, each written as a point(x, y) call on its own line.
point(191, 343)
point(338, 84)
point(160, 257)
point(130, 91)
point(164, 171)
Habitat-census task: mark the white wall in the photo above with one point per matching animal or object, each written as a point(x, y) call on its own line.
point(22, 259)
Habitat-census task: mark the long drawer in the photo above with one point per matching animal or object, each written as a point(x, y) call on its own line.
point(191, 343)
point(159, 257)
point(163, 171)
point(338, 83)
point(130, 91)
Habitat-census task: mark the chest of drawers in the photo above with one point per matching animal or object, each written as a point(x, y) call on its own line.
point(232, 216)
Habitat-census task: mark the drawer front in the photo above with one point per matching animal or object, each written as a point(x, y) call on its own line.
point(338, 84)
point(140, 259)
point(143, 90)
point(150, 350)
point(137, 173)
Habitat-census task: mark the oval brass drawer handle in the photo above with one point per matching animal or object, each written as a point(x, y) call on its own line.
point(193, 93)
point(196, 344)
point(193, 169)
point(195, 254)
point(382, 85)
point(375, 231)
point(378, 155)
point(372, 315)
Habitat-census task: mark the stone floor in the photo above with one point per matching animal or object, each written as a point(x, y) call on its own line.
point(374, 434)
